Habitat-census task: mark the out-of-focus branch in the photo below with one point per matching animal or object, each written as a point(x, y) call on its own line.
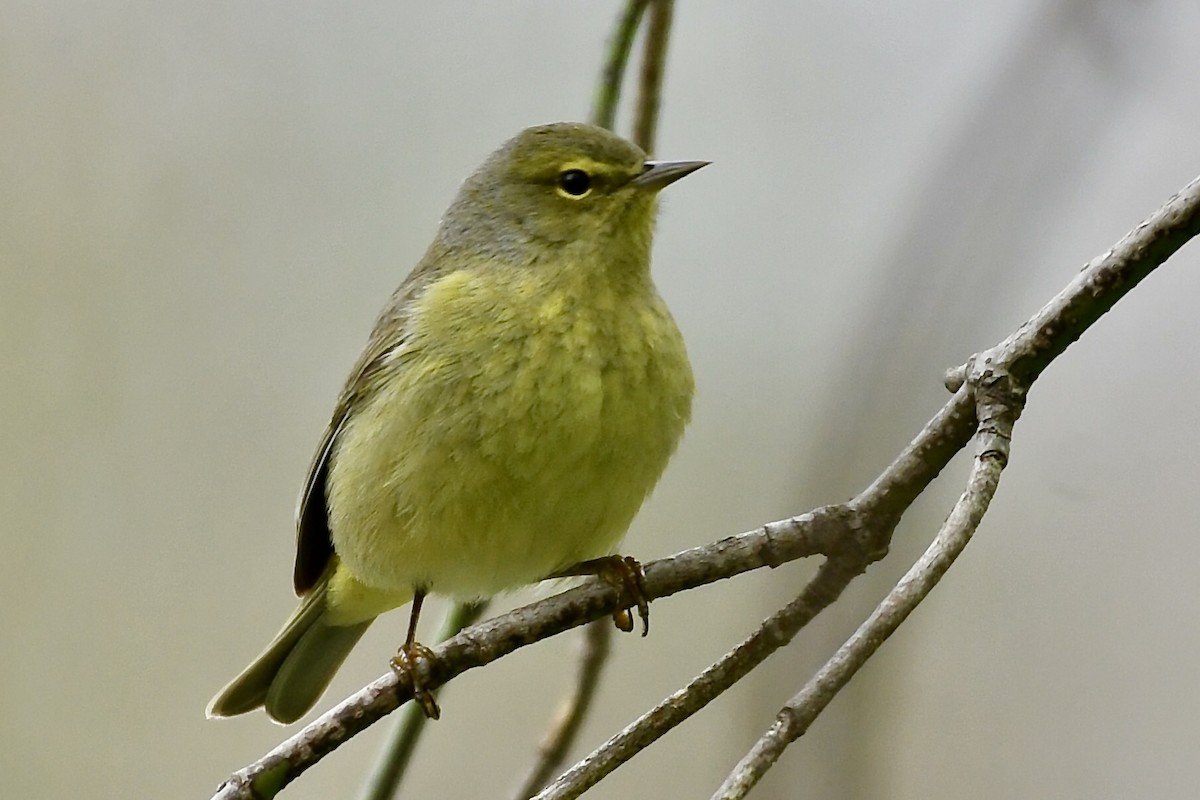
point(608, 94)
point(593, 653)
point(596, 646)
point(654, 61)
point(654, 56)
point(389, 768)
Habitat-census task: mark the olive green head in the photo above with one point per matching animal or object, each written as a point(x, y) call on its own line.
point(559, 185)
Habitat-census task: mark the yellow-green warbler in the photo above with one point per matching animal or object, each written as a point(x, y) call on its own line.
point(518, 399)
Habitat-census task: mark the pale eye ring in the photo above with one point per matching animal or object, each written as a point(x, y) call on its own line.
point(574, 183)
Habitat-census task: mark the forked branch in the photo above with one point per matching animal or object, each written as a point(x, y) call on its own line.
point(850, 536)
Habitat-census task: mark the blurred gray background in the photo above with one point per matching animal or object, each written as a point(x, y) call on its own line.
point(203, 205)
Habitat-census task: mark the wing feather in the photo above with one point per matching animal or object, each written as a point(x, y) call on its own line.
point(314, 542)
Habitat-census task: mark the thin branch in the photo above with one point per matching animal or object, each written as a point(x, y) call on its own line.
point(771, 545)
point(995, 390)
point(384, 778)
point(777, 631)
point(869, 522)
point(608, 94)
point(654, 60)
point(834, 531)
point(1099, 285)
point(998, 412)
point(594, 649)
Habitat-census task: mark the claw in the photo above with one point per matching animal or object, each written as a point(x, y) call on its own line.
point(625, 574)
point(407, 661)
point(623, 620)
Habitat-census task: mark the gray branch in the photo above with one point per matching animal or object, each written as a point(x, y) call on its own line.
point(998, 404)
point(851, 536)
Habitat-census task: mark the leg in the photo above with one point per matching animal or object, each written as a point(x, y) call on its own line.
point(625, 574)
point(406, 657)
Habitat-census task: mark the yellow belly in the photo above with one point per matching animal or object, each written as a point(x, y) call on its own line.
point(518, 433)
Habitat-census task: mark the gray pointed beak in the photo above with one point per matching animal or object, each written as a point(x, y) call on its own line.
point(659, 174)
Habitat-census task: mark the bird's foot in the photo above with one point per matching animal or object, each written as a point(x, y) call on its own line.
point(413, 659)
point(625, 574)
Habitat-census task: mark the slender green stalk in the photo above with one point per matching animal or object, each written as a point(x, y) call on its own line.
point(654, 61)
point(385, 776)
point(608, 93)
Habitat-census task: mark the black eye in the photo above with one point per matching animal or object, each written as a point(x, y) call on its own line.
point(575, 182)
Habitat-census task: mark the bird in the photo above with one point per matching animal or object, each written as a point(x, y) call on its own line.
point(518, 399)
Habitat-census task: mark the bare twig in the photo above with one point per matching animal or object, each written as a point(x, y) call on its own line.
point(998, 407)
point(835, 531)
point(868, 522)
point(777, 631)
point(608, 94)
point(654, 59)
point(878, 508)
point(389, 769)
point(593, 653)
point(1099, 285)
point(771, 545)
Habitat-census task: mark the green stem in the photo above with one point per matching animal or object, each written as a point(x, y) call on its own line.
point(608, 94)
point(654, 60)
point(384, 778)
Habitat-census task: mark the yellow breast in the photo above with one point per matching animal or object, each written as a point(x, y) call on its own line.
point(517, 431)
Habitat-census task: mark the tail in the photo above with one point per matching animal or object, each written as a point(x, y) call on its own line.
point(293, 672)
